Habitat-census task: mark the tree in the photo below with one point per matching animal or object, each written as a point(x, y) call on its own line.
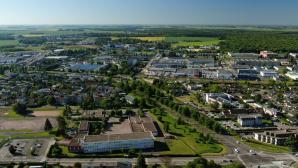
point(51, 101)
point(77, 165)
point(12, 149)
point(166, 127)
point(141, 163)
point(20, 109)
point(293, 143)
point(48, 125)
point(56, 151)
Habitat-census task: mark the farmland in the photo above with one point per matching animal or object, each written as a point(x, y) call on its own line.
point(4, 43)
point(183, 41)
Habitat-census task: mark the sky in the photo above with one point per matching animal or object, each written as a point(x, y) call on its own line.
point(162, 12)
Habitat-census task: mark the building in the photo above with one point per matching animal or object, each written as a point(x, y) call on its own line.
point(84, 128)
point(292, 75)
point(224, 74)
point(139, 134)
point(221, 99)
point(268, 54)
point(256, 62)
point(247, 74)
point(87, 67)
point(295, 55)
point(271, 111)
point(107, 143)
point(269, 74)
point(244, 55)
point(249, 120)
point(275, 137)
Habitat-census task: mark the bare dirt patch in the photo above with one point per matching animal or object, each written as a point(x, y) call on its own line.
point(53, 113)
point(34, 124)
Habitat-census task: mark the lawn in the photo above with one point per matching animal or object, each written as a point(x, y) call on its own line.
point(4, 43)
point(32, 135)
point(13, 114)
point(186, 137)
point(259, 146)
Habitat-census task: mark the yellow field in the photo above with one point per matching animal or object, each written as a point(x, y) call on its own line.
point(150, 38)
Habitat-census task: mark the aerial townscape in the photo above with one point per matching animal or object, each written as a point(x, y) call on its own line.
point(148, 96)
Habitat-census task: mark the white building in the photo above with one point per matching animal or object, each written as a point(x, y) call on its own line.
point(271, 111)
point(269, 74)
point(107, 143)
point(249, 120)
point(275, 137)
point(292, 75)
point(295, 55)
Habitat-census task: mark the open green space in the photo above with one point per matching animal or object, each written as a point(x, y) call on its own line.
point(4, 43)
point(259, 146)
point(186, 138)
point(196, 43)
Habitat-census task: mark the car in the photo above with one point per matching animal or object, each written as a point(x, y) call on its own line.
point(236, 150)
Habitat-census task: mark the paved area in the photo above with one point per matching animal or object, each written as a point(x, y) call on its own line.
point(27, 150)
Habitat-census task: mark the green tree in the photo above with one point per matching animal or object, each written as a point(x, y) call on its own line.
point(20, 109)
point(51, 101)
point(141, 163)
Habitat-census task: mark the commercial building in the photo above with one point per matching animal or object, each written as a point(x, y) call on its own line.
point(107, 143)
point(137, 133)
point(249, 120)
point(275, 137)
point(269, 74)
point(221, 99)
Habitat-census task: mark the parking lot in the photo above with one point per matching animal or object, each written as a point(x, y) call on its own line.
point(25, 150)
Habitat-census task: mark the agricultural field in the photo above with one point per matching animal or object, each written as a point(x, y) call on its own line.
point(183, 41)
point(210, 42)
point(150, 38)
point(4, 43)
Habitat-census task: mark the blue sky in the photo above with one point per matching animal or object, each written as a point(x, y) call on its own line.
point(243, 12)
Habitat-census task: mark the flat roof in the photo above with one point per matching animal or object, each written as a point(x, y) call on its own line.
point(118, 137)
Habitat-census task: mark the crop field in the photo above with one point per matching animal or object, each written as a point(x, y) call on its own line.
point(183, 41)
point(4, 43)
point(196, 43)
point(150, 38)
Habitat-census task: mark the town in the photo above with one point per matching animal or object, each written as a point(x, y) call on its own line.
point(88, 97)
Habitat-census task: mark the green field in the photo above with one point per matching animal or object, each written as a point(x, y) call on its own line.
point(4, 43)
point(197, 43)
point(150, 38)
point(185, 142)
point(259, 146)
point(183, 41)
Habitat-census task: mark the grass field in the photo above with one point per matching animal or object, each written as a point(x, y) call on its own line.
point(196, 43)
point(150, 38)
point(185, 142)
point(259, 146)
point(4, 43)
point(183, 41)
